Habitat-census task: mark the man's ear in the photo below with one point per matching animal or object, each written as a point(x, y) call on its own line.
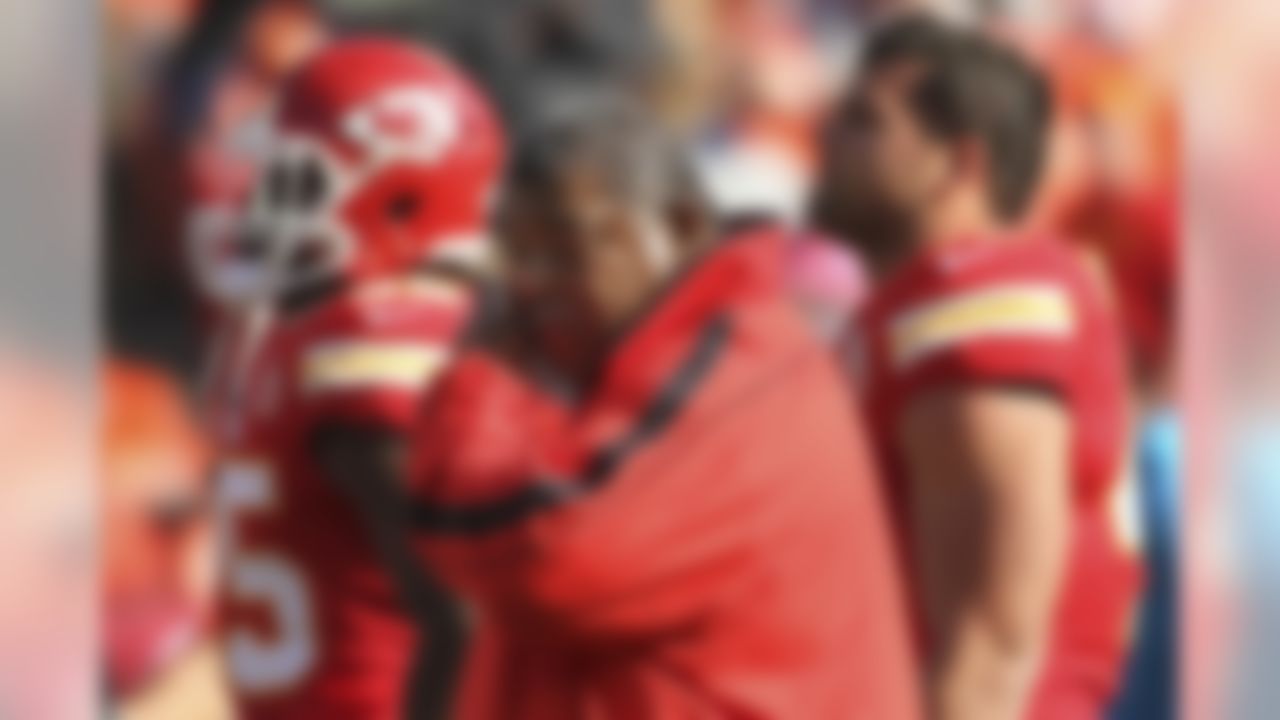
point(970, 162)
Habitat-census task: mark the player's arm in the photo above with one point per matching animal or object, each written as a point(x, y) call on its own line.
point(990, 503)
point(367, 463)
point(505, 464)
point(362, 377)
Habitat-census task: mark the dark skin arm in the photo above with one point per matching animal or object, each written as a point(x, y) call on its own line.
point(366, 464)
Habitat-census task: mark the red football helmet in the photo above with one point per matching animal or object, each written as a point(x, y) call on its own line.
point(383, 156)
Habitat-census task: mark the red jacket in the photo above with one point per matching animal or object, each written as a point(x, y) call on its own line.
point(700, 538)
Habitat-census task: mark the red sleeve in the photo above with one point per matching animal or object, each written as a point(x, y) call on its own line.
point(523, 503)
point(485, 433)
point(370, 358)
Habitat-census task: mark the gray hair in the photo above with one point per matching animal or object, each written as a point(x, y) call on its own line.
point(613, 138)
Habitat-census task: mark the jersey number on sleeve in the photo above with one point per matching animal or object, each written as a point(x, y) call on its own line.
point(262, 662)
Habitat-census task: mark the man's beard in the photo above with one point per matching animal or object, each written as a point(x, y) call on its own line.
point(882, 233)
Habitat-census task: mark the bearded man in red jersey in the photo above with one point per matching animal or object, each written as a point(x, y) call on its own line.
point(996, 380)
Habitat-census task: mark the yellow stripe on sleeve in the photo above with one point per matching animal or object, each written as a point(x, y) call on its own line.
point(358, 364)
point(1039, 310)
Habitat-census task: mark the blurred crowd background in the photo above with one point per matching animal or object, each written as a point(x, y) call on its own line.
point(189, 84)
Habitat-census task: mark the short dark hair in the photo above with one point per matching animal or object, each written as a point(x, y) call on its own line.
point(611, 136)
point(973, 86)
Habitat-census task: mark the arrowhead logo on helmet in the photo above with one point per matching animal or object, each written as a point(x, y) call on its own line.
point(405, 122)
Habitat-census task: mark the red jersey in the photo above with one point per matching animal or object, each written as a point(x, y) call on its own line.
point(309, 623)
point(1025, 313)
